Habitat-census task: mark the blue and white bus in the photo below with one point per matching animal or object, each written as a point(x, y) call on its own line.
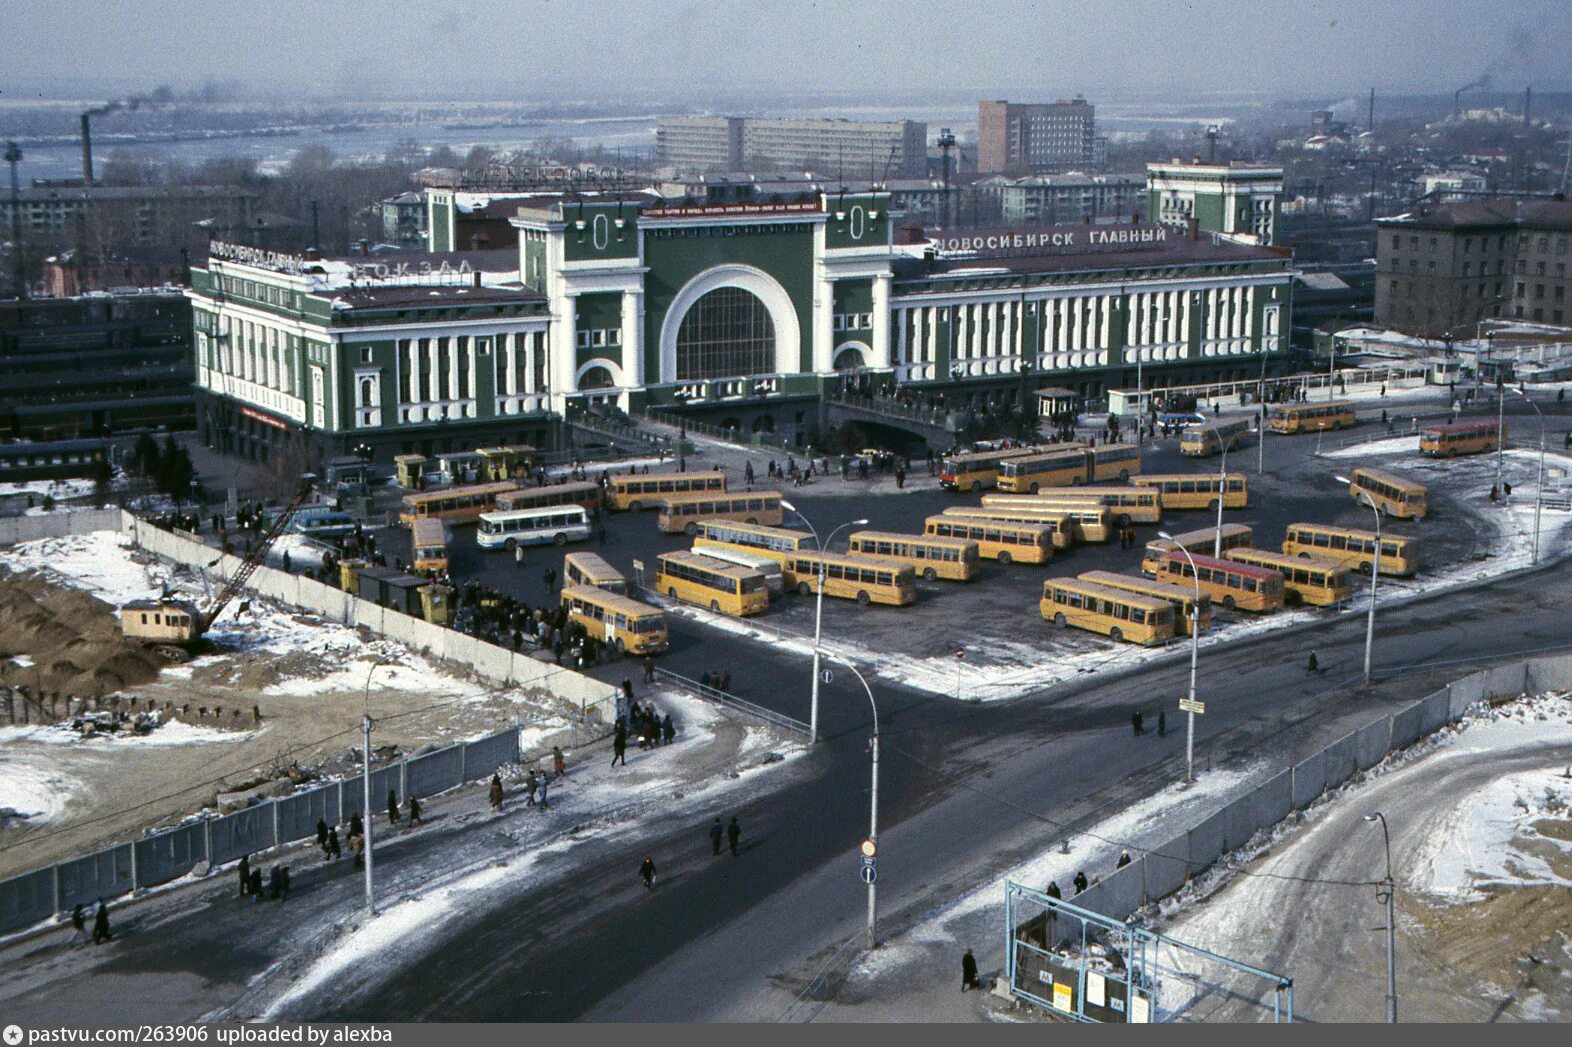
point(555, 526)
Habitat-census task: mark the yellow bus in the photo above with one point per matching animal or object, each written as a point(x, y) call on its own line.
point(1449, 441)
point(1320, 583)
point(1002, 540)
point(1391, 493)
point(1113, 461)
point(1311, 417)
point(1060, 527)
point(974, 470)
point(1210, 438)
point(590, 570)
point(1127, 505)
point(1197, 490)
point(778, 543)
point(1181, 596)
point(1048, 469)
point(683, 512)
point(1203, 542)
point(1088, 523)
point(647, 490)
point(628, 625)
point(429, 545)
point(861, 578)
point(1235, 585)
point(453, 504)
point(1117, 613)
point(1356, 548)
point(953, 559)
point(723, 587)
point(550, 496)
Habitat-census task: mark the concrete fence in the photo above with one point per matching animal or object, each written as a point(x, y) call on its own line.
point(210, 842)
point(1165, 868)
point(58, 524)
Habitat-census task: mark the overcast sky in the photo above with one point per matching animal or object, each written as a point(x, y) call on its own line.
point(581, 48)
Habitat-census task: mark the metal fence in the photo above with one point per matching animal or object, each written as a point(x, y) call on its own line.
point(172, 853)
point(731, 701)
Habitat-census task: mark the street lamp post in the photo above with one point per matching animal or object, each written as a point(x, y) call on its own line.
point(1375, 573)
point(365, 782)
point(818, 612)
point(873, 809)
point(1222, 495)
point(1539, 487)
point(1195, 658)
point(1389, 895)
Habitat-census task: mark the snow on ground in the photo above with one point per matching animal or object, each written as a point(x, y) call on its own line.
point(32, 790)
point(1390, 445)
point(172, 733)
point(59, 490)
point(99, 562)
point(1480, 841)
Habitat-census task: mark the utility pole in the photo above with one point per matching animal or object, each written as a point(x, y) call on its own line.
point(1388, 894)
point(946, 143)
point(365, 796)
point(13, 156)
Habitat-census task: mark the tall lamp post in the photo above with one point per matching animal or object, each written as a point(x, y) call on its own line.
point(1195, 658)
point(818, 611)
point(365, 782)
point(1389, 895)
point(1375, 573)
point(870, 848)
point(1539, 488)
point(1222, 495)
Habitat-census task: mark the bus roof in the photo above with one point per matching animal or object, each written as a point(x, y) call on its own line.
point(625, 479)
point(1204, 534)
point(1306, 406)
point(1386, 536)
point(925, 539)
point(1145, 585)
point(709, 563)
point(1025, 520)
point(1010, 452)
point(711, 496)
point(592, 564)
point(1084, 493)
point(1248, 570)
point(763, 530)
point(1108, 592)
point(524, 514)
point(1147, 479)
point(1051, 454)
point(1460, 427)
point(1386, 477)
point(429, 531)
point(461, 491)
point(1266, 556)
point(611, 601)
point(562, 488)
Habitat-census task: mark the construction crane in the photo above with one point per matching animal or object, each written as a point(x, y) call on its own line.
point(172, 626)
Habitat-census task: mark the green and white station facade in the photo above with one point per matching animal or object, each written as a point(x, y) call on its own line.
point(748, 315)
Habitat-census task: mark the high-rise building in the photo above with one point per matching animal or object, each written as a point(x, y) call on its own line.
point(699, 143)
point(1035, 138)
point(852, 149)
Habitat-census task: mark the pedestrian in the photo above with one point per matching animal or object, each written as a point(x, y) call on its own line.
point(355, 827)
point(619, 745)
point(414, 811)
point(969, 971)
point(733, 835)
point(79, 912)
point(245, 875)
point(1135, 721)
point(715, 837)
point(283, 881)
point(288, 566)
point(256, 885)
point(531, 784)
point(1080, 881)
point(559, 764)
point(392, 807)
point(322, 833)
point(600, 532)
point(725, 681)
point(649, 669)
point(647, 872)
point(101, 932)
point(1313, 665)
point(550, 577)
point(1162, 722)
point(275, 885)
point(358, 845)
point(1053, 889)
point(704, 677)
point(496, 792)
point(518, 556)
point(668, 730)
point(627, 689)
point(545, 787)
point(1124, 859)
point(334, 850)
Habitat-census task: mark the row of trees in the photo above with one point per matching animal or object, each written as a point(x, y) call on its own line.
point(167, 468)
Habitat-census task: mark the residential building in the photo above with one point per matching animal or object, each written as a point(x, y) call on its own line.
point(71, 273)
point(1018, 138)
point(1239, 200)
point(1074, 197)
point(404, 219)
point(846, 149)
point(699, 143)
point(107, 219)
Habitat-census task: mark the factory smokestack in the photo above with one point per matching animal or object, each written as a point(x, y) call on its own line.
point(87, 150)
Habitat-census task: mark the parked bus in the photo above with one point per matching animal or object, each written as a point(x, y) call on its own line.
point(1204, 441)
point(1060, 526)
point(1234, 585)
point(1391, 493)
point(778, 543)
point(579, 492)
point(1311, 417)
point(1028, 474)
point(1088, 523)
point(429, 545)
point(1181, 596)
point(1127, 505)
point(1449, 441)
point(1002, 540)
point(683, 512)
point(590, 570)
point(765, 565)
point(1355, 548)
point(708, 581)
point(953, 559)
point(453, 504)
point(1320, 583)
point(647, 490)
point(559, 526)
point(974, 470)
point(1113, 461)
point(1202, 542)
point(1197, 490)
point(626, 624)
point(861, 578)
point(1116, 613)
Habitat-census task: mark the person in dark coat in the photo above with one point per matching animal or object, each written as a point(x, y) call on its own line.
point(1053, 889)
point(275, 885)
point(1124, 859)
point(322, 833)
point(649, 669)
point(1162, 723)
point(1135, 721)
point(355, 826)
point(79, 911)
point(245, 875)
point(333, 851)
point(647, 872)
point(668, 730)
point(968, 971)
point(256, 885)
point(733, 835)
point(414, 811)
point(392, 807)
point(496, 792)
point(715, 835)
point(1080, 881)
point(101, 932)
point(619, 746)
point(1313, 665)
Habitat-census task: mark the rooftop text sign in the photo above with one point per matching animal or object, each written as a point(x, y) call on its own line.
point(1064, 239)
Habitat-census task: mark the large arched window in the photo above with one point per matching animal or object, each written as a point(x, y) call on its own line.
point(726, 333)
point(596, 378)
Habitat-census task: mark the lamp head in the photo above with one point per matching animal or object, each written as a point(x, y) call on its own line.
point(788, 506)
point(1165, 536)
point(1373, 816)
point(1342, 479)
point(860, 523)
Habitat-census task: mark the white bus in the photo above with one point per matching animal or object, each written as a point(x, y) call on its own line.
point(555, 526)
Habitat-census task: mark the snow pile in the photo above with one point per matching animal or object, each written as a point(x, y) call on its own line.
point(1485, 840)
point(172, 733)
point(1391, 445)
point(99, 562)
point(31, 791)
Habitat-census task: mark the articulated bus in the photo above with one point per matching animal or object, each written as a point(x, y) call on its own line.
point(1061, 530)
point(1117, 613)
point(1391, 493)
point(629, 626)
point(1181, 596)
point(1046, 469)
point(953, 559)
point(559, 526)
point(1004, 540)
point(708, 581)
point(1196, 490)
point(1113, 461)
point(1320, 583)
point(453, 504)
point(1127, 505)
point(1449, 441)
point(683, 512)
point(1204, 441)
point(1202, 542)
point(1346, 545)
point(1234, 585)
point(770, 568)
point(647, 490)
point(862, 578)
point(590, 570)
point(429, 544)
point(551, 495)
point(778, 543)
point(974, 470)
point(1311, 417)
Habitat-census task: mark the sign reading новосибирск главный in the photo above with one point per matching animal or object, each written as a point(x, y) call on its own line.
point(1066, 239)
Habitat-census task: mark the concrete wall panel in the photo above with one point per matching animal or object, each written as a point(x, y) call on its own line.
point(170, 855)
point(27, 899)
point(1309, 779)
point(1206, 842)
point(1341, 761)
point(244, 832)
point(106, 874)
point(1372, 742)
point(1166, 867)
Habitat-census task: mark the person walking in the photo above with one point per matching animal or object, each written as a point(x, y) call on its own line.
point(333, 851)
point(358, 845)
point(518, 556)
point(716, 832)
point(283, 882)
point(668, 730)
point(1053, 889)
point(101, 932)
point(647, 872)
point(968, 971)
point(1313, 665)
point(414, 811)
point(531, 785)
point(649, 669)
point(256, 885)
point(559, 763)
point(550, 577)
point(619, 745)
point(1079, 881)
point(322, 833)
point(1135, 721)
point(1124, 859)
point(392, 807)
point(79, 915)
point(496, 793)
point(733, 835)
point(245, 875)
point(1162, 723)
point(545, 788)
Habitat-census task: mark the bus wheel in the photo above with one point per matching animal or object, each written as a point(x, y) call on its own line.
point(715, 606)
point(1292, 597)
point(1061, 621)
point(751, 519)
point(1034, 488)
point(634, 507)
point(1364, 568)
point(690, 529)
point(863, 600)
point(671, 591)
point(804, 589)
point(511, 544)
point(560, 539)
point(976, 486)
point(1212, 505)
point(1004, 558)
point(1124, 474)
point(1116, 633)
point(1228, 602)
point(930, 575)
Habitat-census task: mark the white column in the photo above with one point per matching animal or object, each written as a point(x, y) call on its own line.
point(474, 383)
point(824, 326)
point(563, 346)
point(529, 347)
point(433, 370)
point(510, 358)
point(633, 337)
point(881, 320)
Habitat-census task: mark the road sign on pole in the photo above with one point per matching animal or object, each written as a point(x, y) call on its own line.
point(1192, 705)
point(869, 873)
